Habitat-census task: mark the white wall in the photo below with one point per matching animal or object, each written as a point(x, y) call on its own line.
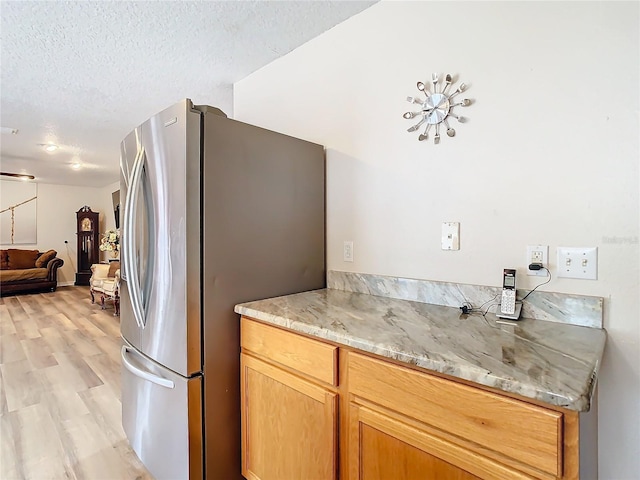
point(56, 221)
point(549, 155)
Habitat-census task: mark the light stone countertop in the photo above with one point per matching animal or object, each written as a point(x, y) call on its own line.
point(547, 361)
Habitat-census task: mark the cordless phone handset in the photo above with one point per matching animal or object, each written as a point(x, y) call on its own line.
point(508, 300)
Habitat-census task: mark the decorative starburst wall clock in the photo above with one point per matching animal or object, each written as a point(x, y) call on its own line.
point(436, 108)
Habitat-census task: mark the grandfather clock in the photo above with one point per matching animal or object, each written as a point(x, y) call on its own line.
point(88, 243)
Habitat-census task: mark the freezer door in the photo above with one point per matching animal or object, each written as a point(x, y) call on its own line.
point(160, 184)
point(161, 415)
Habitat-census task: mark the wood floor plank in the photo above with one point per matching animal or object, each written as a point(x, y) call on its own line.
point(60, 410)
point(22, 385)
point(106, 411)
point(11, 349)
point(92, 453)
point(78, 308)
point(25, 325)
point(15, 309)
point(107, 370)
point(6, 323)
point(80, 342)
point(30, 305)
point(3, 398)
point(110, 346)
point(41, 459)
point(26, 328)
point(64, 404)
point(46, 303)
point(86, 323)
point(38, 353)
point(109, 324)
point(44, 321)
point(10, 467)
point(62, 321)
point(72, 373)
point(53, 337)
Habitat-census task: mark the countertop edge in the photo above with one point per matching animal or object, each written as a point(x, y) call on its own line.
point(581, 403)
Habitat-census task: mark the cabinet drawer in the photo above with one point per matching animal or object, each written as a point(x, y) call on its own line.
point(524, 432)
point(311, 357)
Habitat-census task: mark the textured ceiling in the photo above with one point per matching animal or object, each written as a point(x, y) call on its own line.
point(83, 74)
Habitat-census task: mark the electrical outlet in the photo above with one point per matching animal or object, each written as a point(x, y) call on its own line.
point(537, 254)
point(347, 251)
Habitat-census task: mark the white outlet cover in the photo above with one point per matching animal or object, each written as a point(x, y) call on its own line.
point(347, 251)
point(545, 260)
point(451, 236)
point(576, 262)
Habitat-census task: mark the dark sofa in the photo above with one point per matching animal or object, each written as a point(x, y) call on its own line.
point(28, 270)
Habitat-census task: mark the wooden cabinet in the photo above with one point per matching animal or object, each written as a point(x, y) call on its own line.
point(386, 448)
point(484, 434)
point(395, 421)
point(289, 418)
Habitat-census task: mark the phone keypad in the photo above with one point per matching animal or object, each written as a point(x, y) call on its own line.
point(508, 305)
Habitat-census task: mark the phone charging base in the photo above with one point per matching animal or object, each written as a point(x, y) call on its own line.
point(514, 316)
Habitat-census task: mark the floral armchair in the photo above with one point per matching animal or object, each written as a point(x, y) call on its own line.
point(105, 280)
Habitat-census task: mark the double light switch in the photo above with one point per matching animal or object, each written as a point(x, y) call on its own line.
point(575, 262)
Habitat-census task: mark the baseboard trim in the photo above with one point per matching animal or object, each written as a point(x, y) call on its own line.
point(65, 284)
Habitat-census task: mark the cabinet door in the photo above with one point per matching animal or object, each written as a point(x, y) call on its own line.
point(289, 425)
point(524, 436)
point(382, 447)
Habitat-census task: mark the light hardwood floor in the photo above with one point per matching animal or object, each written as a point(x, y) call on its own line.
point(60, 412)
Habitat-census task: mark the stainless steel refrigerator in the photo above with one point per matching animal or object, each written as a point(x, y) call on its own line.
point(215, 212)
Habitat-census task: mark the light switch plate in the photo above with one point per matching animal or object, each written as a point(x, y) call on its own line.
point(451, 236)
point(574, 262)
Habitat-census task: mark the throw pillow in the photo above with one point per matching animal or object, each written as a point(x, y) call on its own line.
point(42, 260)
point(113, 266)
point(4, 260)
point(19, 259)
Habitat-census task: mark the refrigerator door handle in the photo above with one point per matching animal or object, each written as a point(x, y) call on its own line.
point(129, 261)
point(127, 221)
point(163, 382)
